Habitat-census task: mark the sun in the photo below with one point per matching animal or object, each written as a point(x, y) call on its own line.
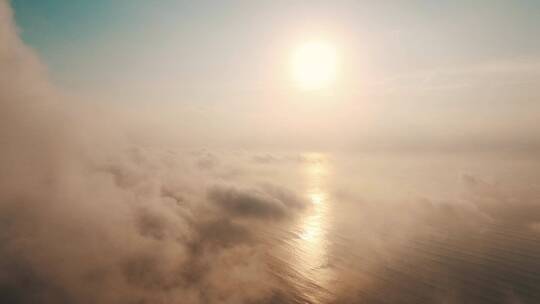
point(314, 65)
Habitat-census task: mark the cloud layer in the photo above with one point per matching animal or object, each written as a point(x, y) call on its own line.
point(86, 217)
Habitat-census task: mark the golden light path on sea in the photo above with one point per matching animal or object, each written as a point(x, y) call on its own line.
point(311, 247)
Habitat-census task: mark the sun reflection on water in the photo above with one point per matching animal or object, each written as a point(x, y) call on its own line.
point(311, 246)
point(312, 230)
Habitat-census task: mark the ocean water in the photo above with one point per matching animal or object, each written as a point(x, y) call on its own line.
point(409, 229)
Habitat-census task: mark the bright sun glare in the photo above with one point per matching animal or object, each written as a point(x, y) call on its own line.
point(314, 65)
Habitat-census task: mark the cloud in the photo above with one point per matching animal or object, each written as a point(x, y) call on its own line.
point(86, 216)
point(268, 202)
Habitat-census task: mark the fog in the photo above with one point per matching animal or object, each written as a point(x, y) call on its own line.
point(107, 203)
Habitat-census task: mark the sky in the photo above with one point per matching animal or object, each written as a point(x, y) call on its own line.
point(427, 75)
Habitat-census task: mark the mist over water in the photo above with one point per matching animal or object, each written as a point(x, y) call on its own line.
point(422, 234)
point(90, 213)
